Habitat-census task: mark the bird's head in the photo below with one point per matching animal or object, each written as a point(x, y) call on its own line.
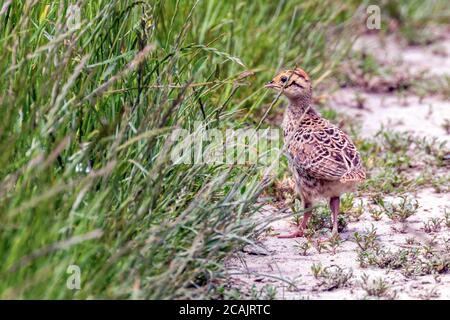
point(294, 84)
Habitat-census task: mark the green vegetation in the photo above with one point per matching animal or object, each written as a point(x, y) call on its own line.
point(86, 112)
point(376, 288)
point(391, 155)
point(331, 277)
point(414, 260)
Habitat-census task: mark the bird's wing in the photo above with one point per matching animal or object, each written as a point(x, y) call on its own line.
point(326, 153)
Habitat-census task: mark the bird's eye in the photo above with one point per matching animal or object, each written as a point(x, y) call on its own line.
point(283, 79)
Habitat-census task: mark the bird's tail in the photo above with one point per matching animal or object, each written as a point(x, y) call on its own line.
point(353, 176)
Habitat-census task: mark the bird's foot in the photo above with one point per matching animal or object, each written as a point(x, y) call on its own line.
point(296, 234)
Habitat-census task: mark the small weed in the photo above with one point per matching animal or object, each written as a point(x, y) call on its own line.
point(401, 211)
point(397, 153)
point(411, 262)
point(446, 243)
point(316, 269)
point(356, 212)
point(319, 245)
point(427, 250)
point(331, 277)
point(432, 225)
point(321, 220)
point(297, 210)
point(269, 231)
point(447, 218)
point(376, 287)
point(434, 85)
point(432, 293)
point(446, 126)
point(267, 292)
point(304, 247)
point(368, 240)
point(225, 292)
point(440, 184)
point(270, 292)
point(347, 201)
point(334, 243)
point(375, 213)
point(309, 234)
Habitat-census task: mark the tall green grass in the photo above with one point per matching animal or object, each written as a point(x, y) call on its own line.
point(85, 174)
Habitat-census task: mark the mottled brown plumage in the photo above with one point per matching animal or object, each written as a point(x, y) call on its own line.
point(323, 159)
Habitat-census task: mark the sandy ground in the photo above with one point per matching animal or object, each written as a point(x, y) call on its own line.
point(423, 117)
point(432, 59)
point(280, 263)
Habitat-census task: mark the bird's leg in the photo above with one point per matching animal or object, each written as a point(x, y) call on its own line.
point(334, 206)
point(301, 228)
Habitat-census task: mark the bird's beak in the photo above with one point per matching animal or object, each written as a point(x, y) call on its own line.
point(270, 85)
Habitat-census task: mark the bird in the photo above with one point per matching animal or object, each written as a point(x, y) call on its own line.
point(323, 160)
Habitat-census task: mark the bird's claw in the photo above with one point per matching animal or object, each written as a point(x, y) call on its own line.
point(295, 234)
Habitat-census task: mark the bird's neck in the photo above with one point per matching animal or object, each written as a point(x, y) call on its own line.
point(301, 106)
point(296, 114)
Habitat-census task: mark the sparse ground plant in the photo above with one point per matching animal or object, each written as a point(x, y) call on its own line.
point(334, 243)
point(427, 249)
point(429, 294)
point(321, 220)
point(431, 150)
point(433, 85)
point(446, 125)
point(269, 231)
point(363, 70)
point(267, 292)
point(440, 184)
point(316, 269)
point(447, 245)
point(319, 245)
point(331, 277)
point(270, 292)
point(414, 261)
point(410, 241)
point(347, 202)
point(296, 208)
point(378, 287)
point(303, 247)
point(349, 208)
point(367, 240)
point(356, 212)
point(432, 225)
point(447, 218)
point(375, 212)
point(398, 152)
point(401, 211)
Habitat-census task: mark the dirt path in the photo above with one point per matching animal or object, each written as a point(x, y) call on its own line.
point(280, 268)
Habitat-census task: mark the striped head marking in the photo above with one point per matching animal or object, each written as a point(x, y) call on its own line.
point(293, 83)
